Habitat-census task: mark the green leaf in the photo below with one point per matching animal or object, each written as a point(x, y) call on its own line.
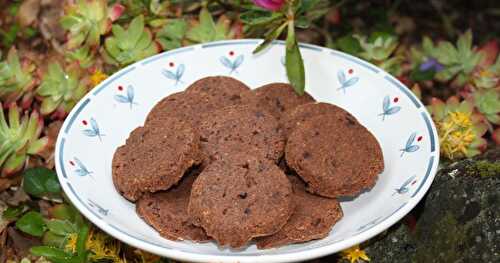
point(32, 223)
point(205, 31)
point(270, 38)
point(61, 227)
point(307, 5)
point(293, 62)
point(53, 254)
point(40, 181)
point(259, 17)
point(302, 22)
point(349, 44)
point(134, 31)
point(69, 213)
point(13, 212)
point(80, 243)
point(52, 239)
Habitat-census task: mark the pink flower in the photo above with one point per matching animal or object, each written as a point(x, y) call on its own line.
point(273, 5)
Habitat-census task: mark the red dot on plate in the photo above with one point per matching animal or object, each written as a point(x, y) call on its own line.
point(350, 71)
point(231, 53)
point(396, 99)
point(120, 88)
point(72, 163)
point(419, 138)
point(84, 122)
point(171, 64)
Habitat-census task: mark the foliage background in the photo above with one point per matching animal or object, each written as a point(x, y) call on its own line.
point(54, 51)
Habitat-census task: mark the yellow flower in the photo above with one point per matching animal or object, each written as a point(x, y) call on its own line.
point(354, 254)
point(102, 247)
point(97, 77)
point(456, 134)
point(71, 243)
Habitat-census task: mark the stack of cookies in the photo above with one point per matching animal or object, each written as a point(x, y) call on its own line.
point(222, 162)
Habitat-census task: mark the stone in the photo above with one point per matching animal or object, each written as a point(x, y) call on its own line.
point(457, 221)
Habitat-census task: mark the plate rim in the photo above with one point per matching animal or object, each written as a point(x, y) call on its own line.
point(280, 257)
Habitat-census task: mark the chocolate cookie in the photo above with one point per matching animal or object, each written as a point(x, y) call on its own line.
point(240, 197)
point(167, 211)
point(304, 112)
point(226, 90)
point(313, 218)
point(335, 155)
point(277, 98)
point(204, 95)
point(155, 157)
point(241, 128)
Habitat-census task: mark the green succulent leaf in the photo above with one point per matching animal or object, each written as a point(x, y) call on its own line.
point(207, 30)
point(349, 44)
point(378, 47)
point(16, 137)
point(32, 223)
point(86, 21)
point(130, 45)
point(488, 103)
point(15, 79)
point(172, 34)
point(60, 87)
point(40, 182)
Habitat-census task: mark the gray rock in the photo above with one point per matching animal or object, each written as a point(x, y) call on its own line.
point(458, 221)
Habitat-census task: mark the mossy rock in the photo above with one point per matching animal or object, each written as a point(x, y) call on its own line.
point(458, 221)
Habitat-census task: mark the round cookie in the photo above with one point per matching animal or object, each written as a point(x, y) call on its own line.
point(155, 157)
point(335, 155)
point(220, 88)
point(183, 106)
point(167, 211)
point(301, 113)
point(313, 218)
point(240, 197)
point(204, 95)
point(277, 98)
point(240, 128)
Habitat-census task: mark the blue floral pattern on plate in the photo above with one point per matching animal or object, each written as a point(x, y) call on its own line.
point(81, 170)
point(128, 98)
point(344, 81)
point(233, 65)
point(405, 187)
point(175, 75)
point(410, 145)
point(94, 130)
point(387, 108)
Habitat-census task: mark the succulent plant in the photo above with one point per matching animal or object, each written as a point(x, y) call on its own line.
point(378, 49)
point(130, 45)
point(207, 30)
point(460, 129)
point(15, 77)
point(459, 62)
point(19, 139)
point(488, 103)
point(88, 20)
point(60, 90)
point(487, 74)
point(82, 56)
point(172, 34)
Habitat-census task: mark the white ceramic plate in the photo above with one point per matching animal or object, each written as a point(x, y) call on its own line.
point(103, 119)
